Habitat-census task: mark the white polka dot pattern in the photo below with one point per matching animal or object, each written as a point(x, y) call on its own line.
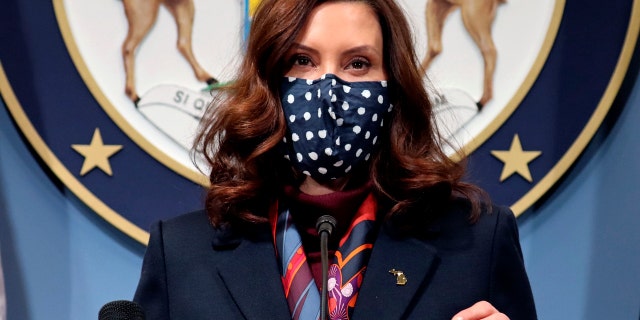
point(331, 123)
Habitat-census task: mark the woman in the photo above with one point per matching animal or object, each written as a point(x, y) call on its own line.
point(328, 115)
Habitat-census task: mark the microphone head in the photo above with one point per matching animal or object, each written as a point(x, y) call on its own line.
point(325, 223)
point(121, 310)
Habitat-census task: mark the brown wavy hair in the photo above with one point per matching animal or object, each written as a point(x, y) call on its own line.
point(241, 132)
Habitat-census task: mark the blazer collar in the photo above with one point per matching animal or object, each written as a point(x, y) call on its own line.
point(380, 297)
point(250, 273)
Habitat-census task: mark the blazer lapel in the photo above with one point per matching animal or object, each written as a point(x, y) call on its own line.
point(251, 275)
point(380, 297)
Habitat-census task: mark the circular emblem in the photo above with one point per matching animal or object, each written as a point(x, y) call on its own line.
point(110, 94)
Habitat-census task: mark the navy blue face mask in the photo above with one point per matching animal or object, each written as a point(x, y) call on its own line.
point(333, 125)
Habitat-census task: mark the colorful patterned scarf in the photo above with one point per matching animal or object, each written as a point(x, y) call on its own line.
point(345, 274)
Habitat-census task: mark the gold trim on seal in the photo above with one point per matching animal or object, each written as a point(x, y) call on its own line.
point(60, 170)
point(594, 122)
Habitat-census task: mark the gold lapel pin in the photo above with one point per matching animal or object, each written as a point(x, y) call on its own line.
point(401, 279)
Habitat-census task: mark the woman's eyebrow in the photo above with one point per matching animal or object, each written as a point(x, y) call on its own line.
point(300, 46)
point(363, 49)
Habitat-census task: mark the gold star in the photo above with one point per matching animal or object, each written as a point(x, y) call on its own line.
point(516, 160)
point(96, 154)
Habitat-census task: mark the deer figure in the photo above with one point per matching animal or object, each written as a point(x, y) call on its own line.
point(477, 17)
point(141, 16)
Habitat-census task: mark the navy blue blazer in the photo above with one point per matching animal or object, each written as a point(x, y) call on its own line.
point(194, 271)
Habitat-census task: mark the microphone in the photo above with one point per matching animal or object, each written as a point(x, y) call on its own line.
point(324, 225)
point(121, 310)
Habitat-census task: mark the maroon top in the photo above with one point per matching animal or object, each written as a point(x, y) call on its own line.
point(306, 209)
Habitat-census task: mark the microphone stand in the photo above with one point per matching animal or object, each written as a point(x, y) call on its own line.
point(324, 226)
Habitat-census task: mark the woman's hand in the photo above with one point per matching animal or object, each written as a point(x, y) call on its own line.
point(480, 311)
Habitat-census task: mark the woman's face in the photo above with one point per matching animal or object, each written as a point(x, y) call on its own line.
point(342, 38)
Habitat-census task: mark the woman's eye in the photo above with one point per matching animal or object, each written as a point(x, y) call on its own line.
point(359, 64)
point(301, 60)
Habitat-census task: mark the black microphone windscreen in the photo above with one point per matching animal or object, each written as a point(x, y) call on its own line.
point(326, 223)
point(121, 310)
